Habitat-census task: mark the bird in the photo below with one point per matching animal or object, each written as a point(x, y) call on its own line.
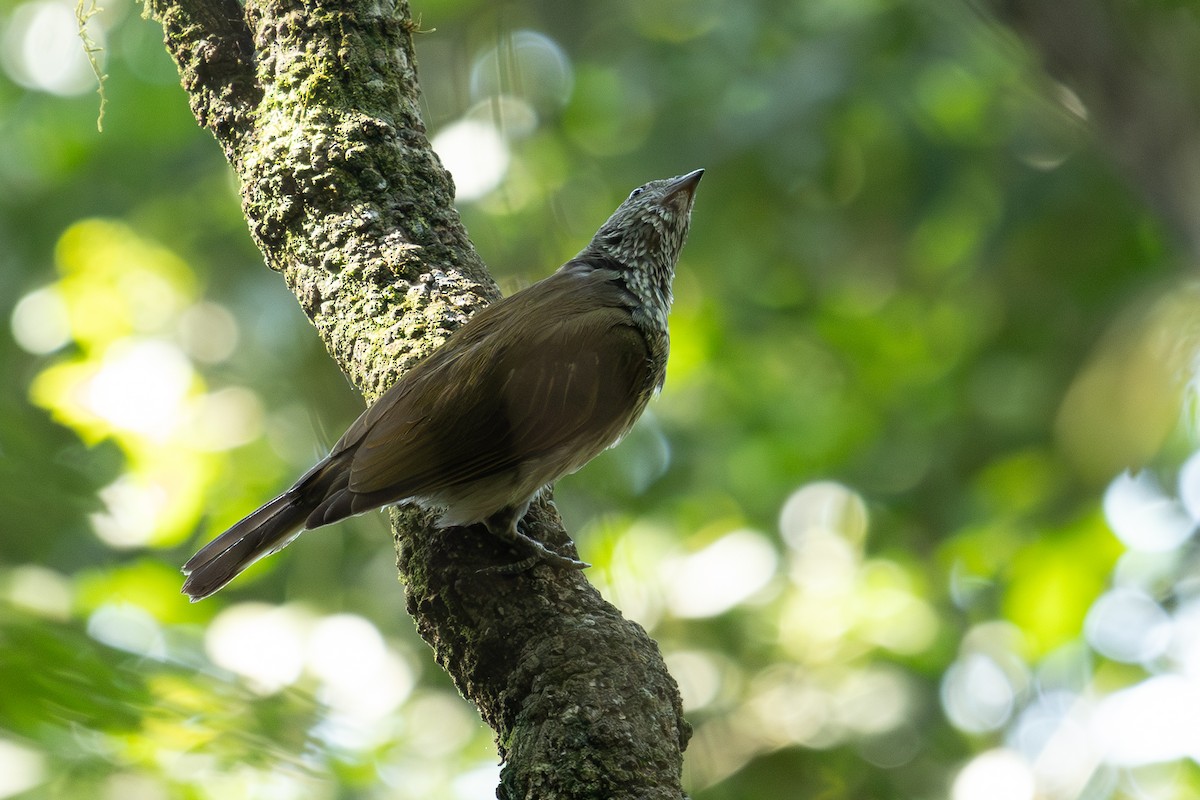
point(527, 390)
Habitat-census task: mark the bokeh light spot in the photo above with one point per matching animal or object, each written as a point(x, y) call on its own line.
point(1151, 722)
point(444, 724)
point(1053, 733)
point(225, 419)
point(891, 614)
point(698, 676)
point(1142, 516)
point(475, 783)
point(141, 387)
point(1127, 625)
point(264, 644)
point(872, 701)
point(785, 708)
point(40, 323)
point(21, 768)
point(823, 506)
point(526, 65)
point(977, 694)
point(127, 627)
point(721, 575)
point(133, 511)
point(1189, 485)
point(512, 117)
point(999, 774)
point(42, 48)
point(208, 332)
point(42, 591)
point(476, 155)
point(362, 678)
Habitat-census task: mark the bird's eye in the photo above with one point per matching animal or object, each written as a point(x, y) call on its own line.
point(636, 192)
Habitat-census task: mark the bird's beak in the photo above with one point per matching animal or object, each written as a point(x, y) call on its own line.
point(684, 183)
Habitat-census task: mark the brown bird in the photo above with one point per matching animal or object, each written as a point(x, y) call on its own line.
point(528, 390)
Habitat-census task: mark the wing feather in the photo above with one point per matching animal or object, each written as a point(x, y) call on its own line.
point(502, 394)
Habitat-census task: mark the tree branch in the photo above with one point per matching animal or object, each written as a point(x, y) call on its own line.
point(212, 48)
point(316, 107)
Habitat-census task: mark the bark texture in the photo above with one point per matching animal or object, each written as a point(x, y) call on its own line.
point(316, 105)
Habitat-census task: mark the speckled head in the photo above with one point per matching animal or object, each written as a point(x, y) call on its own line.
point(645, 234)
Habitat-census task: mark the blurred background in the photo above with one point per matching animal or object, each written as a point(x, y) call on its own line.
point(913, 517)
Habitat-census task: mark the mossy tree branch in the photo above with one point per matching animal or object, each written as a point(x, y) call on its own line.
point(316, 107)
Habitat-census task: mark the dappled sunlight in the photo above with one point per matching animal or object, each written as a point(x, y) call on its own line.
point(713, 580)
point(421, 778)
point(833, 612)
point(1127, 625)
point(474, 152)
point(1143, 517)
point(270, 784)
point(263, 644)
point(100, 395)
point(42, 49)
point(38, 590)
point(1125, 402)
point(1121, 694)
point(41, 322)
point(131, 310)
point(787, 707)
point(151, 504)
point(288, 656)
point(525, 65)
point(140, 387)
point(702, 677)
point(630, 578)
point(842, 602)
point(999, 774)
point(1152, 722)
point(127, 627)
point(363, 682)
point(201, 724)
point(21, 768)
point(981, 688)
point(513, 85)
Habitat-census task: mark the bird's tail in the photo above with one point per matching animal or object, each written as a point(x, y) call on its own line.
point(266, 531)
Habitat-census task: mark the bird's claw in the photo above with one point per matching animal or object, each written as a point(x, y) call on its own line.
point(540, 555)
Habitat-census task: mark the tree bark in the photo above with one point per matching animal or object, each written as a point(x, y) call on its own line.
point(316, 107)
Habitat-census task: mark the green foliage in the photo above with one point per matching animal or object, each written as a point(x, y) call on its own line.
point(921, 327)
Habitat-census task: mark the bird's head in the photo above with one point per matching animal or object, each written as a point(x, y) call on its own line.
point(646, 233)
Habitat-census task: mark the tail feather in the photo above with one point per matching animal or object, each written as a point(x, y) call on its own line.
point(266, 531)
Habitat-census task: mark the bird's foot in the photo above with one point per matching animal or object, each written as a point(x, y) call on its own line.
point(538, 553)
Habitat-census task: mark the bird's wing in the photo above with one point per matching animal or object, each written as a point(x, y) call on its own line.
point(565, 361)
